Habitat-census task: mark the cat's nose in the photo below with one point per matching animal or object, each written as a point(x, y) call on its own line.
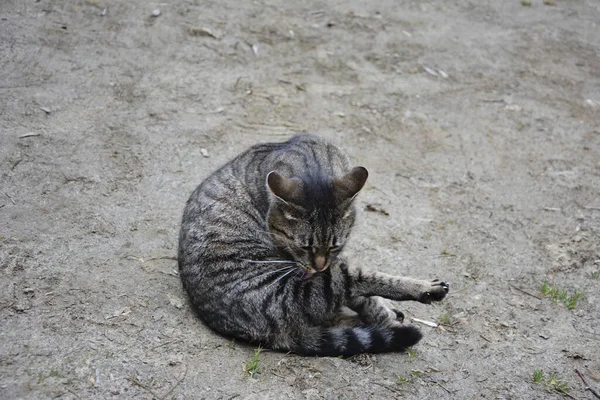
point(320, 261)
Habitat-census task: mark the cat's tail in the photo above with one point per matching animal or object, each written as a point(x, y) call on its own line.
point(348, 341)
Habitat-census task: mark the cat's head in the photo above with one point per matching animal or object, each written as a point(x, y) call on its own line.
point(310, 217)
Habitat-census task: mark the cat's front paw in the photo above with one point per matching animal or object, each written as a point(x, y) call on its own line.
point(435, 291)
point(399, 315)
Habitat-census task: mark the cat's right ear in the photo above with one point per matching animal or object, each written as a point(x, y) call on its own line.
point(284, 188)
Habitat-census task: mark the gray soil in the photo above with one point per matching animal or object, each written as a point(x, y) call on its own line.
point(478, 121)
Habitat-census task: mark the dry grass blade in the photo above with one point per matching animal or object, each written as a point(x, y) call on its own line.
point(525, 292)
point(29, 135)
point(585, 384)
point(176, 383)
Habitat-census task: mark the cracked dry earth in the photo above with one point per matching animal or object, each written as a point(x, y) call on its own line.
point(478, 121)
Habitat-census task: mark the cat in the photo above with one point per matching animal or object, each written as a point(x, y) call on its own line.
point(260, 255)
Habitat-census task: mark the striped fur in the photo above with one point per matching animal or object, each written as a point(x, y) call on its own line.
point(260, 255)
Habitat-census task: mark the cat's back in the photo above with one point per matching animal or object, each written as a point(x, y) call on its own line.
point(242, 180)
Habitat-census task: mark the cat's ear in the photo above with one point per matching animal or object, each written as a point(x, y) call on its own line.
point(287, 189)
point(350, 184)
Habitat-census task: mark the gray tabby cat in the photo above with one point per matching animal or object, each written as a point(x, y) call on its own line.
point(260, 255)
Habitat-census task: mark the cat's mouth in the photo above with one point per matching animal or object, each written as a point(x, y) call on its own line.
point(307, 275)
point(310, 271)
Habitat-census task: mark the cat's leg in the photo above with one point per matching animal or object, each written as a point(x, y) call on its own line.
point(345, 317)
point(374, 310)
point(367, 284)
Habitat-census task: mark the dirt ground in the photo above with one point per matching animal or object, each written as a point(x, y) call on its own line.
point(478, 121)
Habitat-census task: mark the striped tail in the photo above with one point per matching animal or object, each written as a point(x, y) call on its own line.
point(337, 341)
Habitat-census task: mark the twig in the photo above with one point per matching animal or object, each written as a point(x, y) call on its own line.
point(161, 258)
point(29, 135)
point(566, 394)
point(163, 344)
point(442, 386)
point(484, 338)
point(341, 387)
point(172, 273)
point(389, 387)
point(587, 207)
point(493, 101)
point(525, 292)
point(143, 260)
point(276, 374)
point(428, 323)
point(73, 393)
point(20, 86)
point(12, 167)
point(587, 387)
point(11, 199)
point(140, 384)
point(372, 208)
point(176, 383)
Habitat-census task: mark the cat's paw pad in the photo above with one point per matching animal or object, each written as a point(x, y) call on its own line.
point(399, 315)
point(436, 291)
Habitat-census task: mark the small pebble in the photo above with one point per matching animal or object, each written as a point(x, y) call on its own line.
point(513, 107)
point(156, 13)
point(19, 307)
point(430, 71)
point(204, 153)
point(194, 31)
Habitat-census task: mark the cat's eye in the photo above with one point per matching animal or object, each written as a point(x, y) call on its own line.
point(334, 249)
point(308, 249)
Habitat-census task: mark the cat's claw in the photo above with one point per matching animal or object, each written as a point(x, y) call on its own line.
point(437, 291)
point(444, 285)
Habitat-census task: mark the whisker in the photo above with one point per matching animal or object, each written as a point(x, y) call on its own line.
point(263, 274)
point(280, 278)
point(272, 272)
point(270, 261)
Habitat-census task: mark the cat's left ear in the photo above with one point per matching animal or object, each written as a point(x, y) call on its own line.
point(348, 186)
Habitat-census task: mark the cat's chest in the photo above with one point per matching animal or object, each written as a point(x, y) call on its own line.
point(327, 293)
